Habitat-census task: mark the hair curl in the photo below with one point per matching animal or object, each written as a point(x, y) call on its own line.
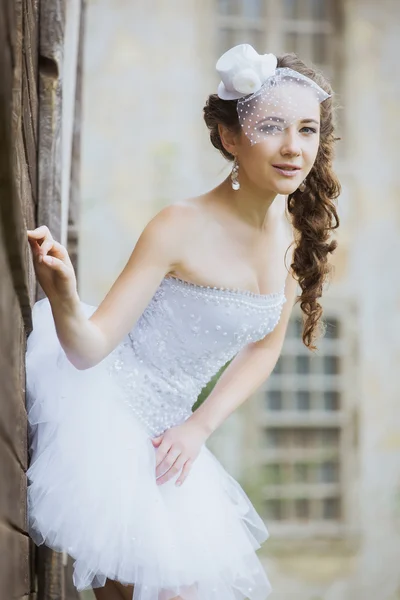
point(313, 211)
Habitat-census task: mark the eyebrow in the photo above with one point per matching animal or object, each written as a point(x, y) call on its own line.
point(279, 120)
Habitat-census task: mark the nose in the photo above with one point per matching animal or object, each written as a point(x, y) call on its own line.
point(291, 142)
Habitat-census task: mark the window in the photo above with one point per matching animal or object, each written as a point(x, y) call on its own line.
point(241, 22)
point(303, 420)
point(307, 27)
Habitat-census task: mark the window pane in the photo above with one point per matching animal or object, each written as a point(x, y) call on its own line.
point(253, 9)
point(228, 7)
point(302, 508)
point(328, 472)
point(331, 365)
point(328, 438)
point(274, 510)
point(319, 9)
point(301, 473)
point(331, 400)
point(302, 364)
point(272, 474)
point(320, 48)
point(291, 9)
point(274, 400)
point(332, 328)
point(274, 438)
point(330, 508)
point(302, 438)
point(303, 400)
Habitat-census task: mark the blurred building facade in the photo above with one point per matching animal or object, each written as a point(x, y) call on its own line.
point(318, 447)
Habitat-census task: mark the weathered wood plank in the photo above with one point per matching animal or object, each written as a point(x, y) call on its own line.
point(71, 592)
point(10, 209)
point(28, 132)
point(32, 568)
point(51, 581)
point(59, 49)
point(13, 498)
point(8, 17)
point(51, 49)
point(13, 421)
point(14, 563)
point(74, 195)
point(31, 22)
point(56, 100)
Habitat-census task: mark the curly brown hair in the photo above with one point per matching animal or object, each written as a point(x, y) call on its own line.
point(313, 211)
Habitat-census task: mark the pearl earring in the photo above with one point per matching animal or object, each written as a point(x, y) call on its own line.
point(235, 175)
point(302, 186)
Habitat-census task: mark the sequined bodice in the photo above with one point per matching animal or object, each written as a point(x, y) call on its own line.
point(184, 336)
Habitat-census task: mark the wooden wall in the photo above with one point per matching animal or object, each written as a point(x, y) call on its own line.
point(40, 67)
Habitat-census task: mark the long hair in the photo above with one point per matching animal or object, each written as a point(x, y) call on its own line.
point(313, 211)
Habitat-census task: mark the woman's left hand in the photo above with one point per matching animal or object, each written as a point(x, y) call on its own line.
point(177, 448)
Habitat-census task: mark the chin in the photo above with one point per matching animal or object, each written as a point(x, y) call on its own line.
point(286, 188)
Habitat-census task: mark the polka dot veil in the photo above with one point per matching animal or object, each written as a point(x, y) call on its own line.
point(284, 98)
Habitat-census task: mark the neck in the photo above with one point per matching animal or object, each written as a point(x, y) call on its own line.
point(251, 204)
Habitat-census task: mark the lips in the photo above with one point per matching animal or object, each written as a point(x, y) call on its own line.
point(287, 167)
point(287, 170)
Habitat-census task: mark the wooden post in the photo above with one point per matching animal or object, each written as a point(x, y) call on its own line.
point(39, 126)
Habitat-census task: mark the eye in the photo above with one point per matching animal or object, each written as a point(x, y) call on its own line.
point(270, 128)
point(312, 129)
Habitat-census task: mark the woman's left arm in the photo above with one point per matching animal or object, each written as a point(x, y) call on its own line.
point(179, 446)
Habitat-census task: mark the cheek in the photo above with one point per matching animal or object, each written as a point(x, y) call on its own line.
point(263, 152)
point(312, 153)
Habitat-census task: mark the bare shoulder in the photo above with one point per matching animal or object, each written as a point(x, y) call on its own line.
point(170, 227)
point(171, 231)
point(174, 217)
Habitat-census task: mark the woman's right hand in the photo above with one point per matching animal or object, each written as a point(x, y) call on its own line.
point(53, 266)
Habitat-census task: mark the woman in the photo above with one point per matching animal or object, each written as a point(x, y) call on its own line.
point(120, 476)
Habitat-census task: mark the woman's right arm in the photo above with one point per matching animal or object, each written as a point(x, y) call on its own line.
point(86, 341)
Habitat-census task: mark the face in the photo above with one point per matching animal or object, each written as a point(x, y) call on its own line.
point(284, 130)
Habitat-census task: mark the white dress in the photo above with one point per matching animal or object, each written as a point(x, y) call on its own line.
point(92, 487)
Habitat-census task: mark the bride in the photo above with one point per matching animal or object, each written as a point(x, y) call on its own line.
point(120, 475)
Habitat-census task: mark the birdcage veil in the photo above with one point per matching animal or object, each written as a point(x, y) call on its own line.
point(269, 99)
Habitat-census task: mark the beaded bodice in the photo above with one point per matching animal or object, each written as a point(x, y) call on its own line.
point(184, 336)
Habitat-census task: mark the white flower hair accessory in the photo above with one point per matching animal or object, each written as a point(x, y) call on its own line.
point(269, 98)
point(243, 71)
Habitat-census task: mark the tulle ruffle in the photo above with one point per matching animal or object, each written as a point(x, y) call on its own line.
point(92, 490)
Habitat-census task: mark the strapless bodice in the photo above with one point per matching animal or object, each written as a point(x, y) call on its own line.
point(184, 336)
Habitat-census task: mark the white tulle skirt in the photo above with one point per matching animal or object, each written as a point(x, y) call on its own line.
point(92, 490)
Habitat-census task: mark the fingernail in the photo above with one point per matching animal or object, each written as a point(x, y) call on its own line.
point(40, 258)
point(178, 483)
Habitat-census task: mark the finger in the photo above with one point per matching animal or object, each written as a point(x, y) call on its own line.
point(162, 451)
point(167, 461)
point(39, 233)
point(46, 246)
point(35, 247)
point(55, 263)
point(56, 249)
point(176, 467)
point(185, 472)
